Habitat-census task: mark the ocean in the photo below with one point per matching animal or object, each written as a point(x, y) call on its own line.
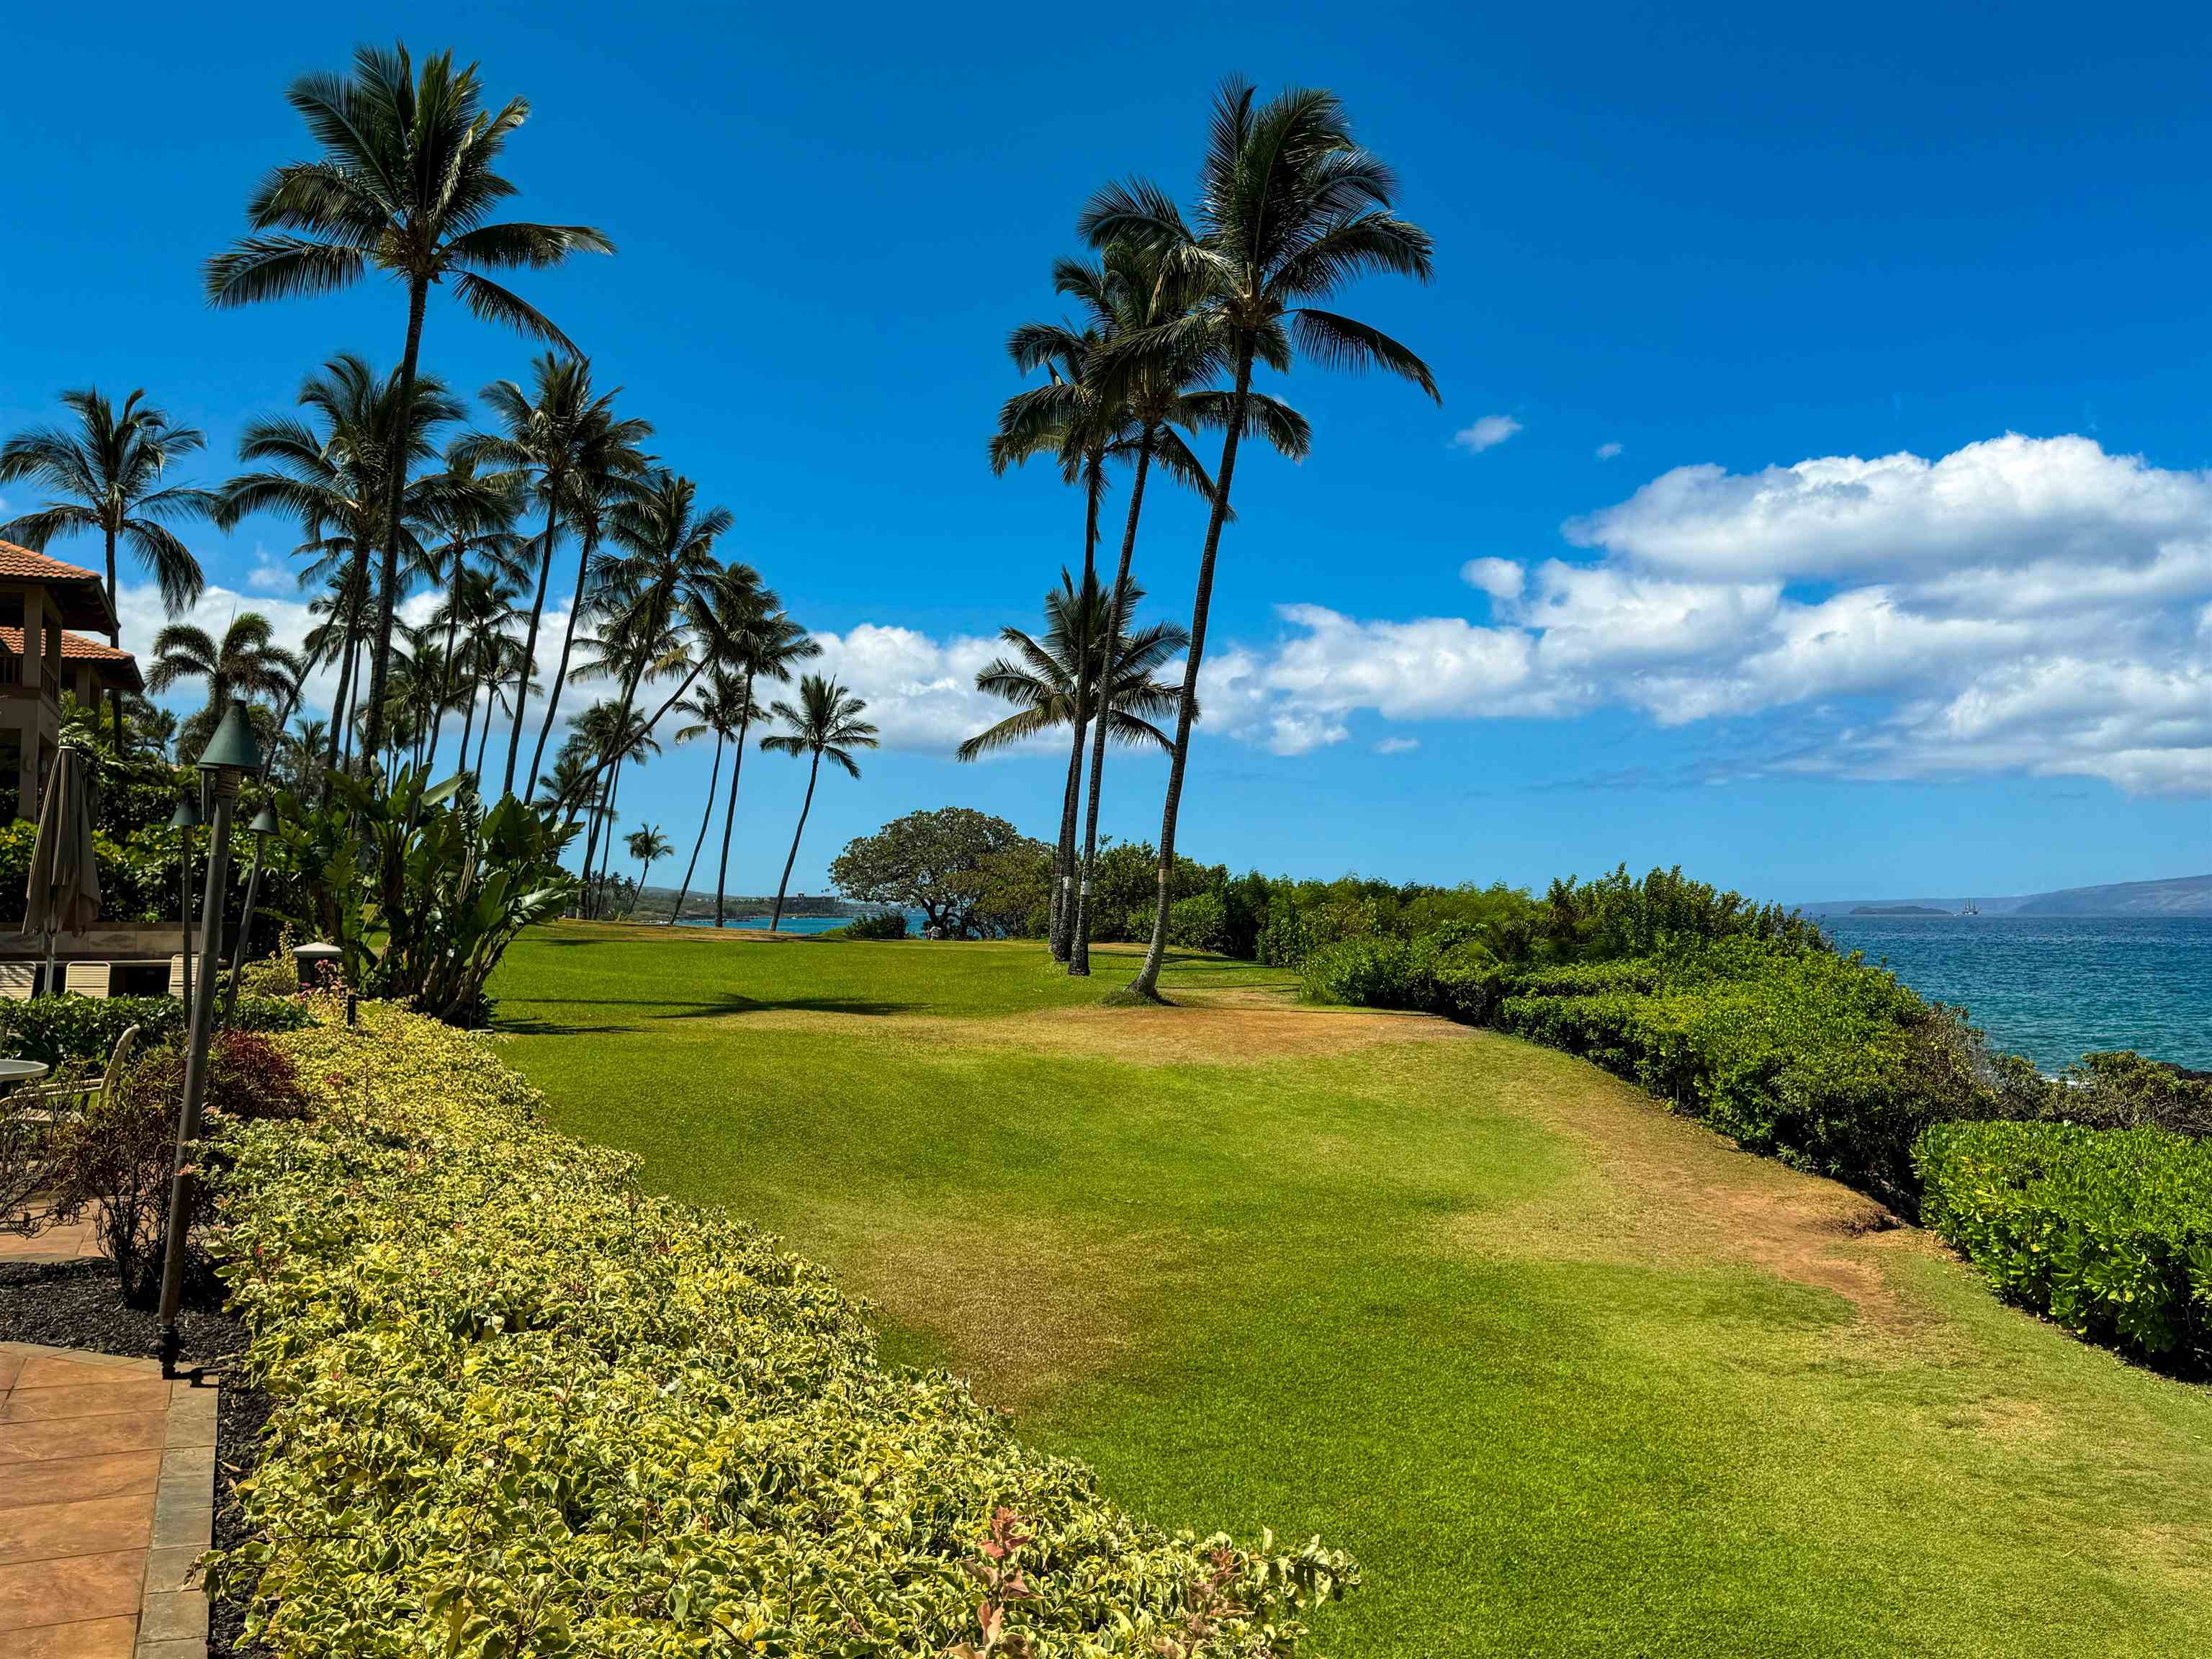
point(2056, 988)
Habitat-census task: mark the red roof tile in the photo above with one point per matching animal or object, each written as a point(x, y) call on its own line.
point(76, 648)
point(23, 565)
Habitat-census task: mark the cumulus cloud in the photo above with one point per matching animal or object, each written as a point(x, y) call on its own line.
point(2027, 606)
point(1501, 579)
point(1397, 745)
point(1607, 451)
point(1487, 432)
point(921, 691)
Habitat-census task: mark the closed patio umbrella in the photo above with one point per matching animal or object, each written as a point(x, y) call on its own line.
point(62, 894)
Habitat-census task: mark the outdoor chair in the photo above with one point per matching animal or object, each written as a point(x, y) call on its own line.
point(19, 981)
point(176, 977)
point(49, 1104)
point(87, 979)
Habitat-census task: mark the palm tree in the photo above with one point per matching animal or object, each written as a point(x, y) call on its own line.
point(569, 450)
point(1129, 291)
point(331, 472)
point(649, 847)
point(1040, 679)
point(246, 663)
point(108, 474)
point(767, 646)
point(1290, 211)
point(403, 185)
point(716, 708)
point(472, 519)
point(827, 721)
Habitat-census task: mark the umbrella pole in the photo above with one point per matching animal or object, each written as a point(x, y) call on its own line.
point(244, 933)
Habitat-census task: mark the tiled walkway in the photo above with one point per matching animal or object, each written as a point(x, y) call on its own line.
point(107, 1488)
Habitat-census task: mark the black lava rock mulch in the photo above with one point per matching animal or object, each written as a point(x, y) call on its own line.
point(79, 1304)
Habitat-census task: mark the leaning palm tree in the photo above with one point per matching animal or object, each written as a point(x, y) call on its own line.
point(766, 646)
point(470, 522)
point(826, 721)
point(1290, 211)
point(109, 473)
point(717, 709)
point(404, 184)
point(566, 446)
point(246, 663)
point(649, 847)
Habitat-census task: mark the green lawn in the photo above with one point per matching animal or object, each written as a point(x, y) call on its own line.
point(1568, 1375)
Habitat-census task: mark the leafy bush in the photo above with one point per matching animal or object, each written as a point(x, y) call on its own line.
point(61, 1030)
point(117, 1156)
point(423, 888)
point(2125, 1090)
point(2108, 1232)
point(884, 924)
point(521, 1406)
point(1200, 922)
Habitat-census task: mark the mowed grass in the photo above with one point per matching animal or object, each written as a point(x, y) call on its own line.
point(1570, 1375)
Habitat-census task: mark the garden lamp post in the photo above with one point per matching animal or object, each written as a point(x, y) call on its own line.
point(184, 820)
point(264, 826)
point(230, 755)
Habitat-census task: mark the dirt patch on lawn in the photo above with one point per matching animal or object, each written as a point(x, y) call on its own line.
point(1663, 1189)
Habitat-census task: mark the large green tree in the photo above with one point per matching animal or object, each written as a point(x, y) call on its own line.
point(824, 721)
point(933, 862)
point(1291, 211)
point(764, 649)
point(406, 185)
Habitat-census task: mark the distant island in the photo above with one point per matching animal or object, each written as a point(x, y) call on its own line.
point(2177, 896)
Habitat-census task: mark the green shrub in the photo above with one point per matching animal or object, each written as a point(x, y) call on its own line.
point(1200, 922)
point(61, 1030)
point(883, 924)
point(522, 1406)
point(2125, 1090)
point(2109, 1231)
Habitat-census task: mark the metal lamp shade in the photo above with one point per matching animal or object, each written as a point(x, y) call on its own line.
point(264, 822)
point(187, 815)
point(232, 748)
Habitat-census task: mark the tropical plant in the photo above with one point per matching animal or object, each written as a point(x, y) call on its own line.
point(246, 663)
point(826, 720)
point(423, 887)
point(405, 185)
point(717, 707)
point(763, 645)
point(469, 521)
point(564, 445)
point(1291, 210)
point(109, 474)
point(933, 862)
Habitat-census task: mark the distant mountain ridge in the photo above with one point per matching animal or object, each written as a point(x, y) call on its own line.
point(2176, 896)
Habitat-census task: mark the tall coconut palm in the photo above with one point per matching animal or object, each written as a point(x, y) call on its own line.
point(826, 720)
point(716, 708)
point(1291, 211)
point(766, 646)
point(649, 847)
point(470, 522)
point(405, 185)
point(329, 471)
point(246, 663)
point(564, 444)
point(109, 473)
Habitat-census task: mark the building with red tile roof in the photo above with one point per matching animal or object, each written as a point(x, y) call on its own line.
point(42, 602)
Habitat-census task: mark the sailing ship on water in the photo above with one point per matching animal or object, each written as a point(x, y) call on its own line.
point(1970, 909)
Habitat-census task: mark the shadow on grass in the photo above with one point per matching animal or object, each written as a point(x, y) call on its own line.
point(730, 1002)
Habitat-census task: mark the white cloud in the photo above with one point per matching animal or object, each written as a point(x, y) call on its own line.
point(1397, 745)
point(2019, 605)
point(1487, 432)
point(1607, 451)
point(1502, 579)
point(920, 692)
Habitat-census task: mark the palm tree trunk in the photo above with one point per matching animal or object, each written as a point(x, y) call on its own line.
point(445, 663)
point(1063, 898)
point(529, 639)
point(418, 293)
point(114, 638)
point(469, 727)
point(705, 818)
point(1147, 982)
point(339, 704)
point(567, 639)
point(1078, 947)
point(775, 920)
point(607, 846)
point(484, 738)
point(730, 812)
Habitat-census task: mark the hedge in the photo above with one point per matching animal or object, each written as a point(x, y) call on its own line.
point(66, 1030)
point(2109, 1231)
point(523, 1407)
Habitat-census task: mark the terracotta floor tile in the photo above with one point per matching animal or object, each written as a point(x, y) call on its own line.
point(83, 1436)
point(78, 1587)
point(9, 1365)
point(45, 1371)
point(69, 1479)
point(78, 1400)
point(87, 1639)
point(97, 1526)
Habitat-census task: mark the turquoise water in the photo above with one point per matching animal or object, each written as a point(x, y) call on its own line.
point(791, 924)
point(2056, 988)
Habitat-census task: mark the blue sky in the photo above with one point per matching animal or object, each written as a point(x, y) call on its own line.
point(1816, 627)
